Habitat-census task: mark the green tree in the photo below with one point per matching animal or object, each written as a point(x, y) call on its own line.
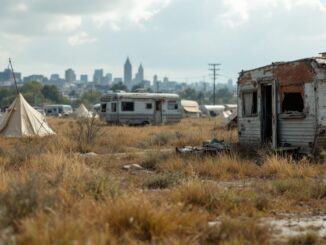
point(119, 86)
point(32, 91)
point(51, 93)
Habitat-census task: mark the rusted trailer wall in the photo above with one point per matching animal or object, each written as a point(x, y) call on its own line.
point(303, 77)
point(249, 127)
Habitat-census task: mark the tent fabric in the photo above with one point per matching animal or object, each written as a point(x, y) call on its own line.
point(82, 111)
point(21, 120)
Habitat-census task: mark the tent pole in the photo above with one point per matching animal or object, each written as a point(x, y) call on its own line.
point(13, 73)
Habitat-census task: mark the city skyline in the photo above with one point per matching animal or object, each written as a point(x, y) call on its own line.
point(48, 37)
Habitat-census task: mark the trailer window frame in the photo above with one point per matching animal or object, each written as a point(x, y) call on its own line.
point(289, 92)
point(103, 107)
point(254, 107)
point(172, 105)
point(127, 106)
point(149, 106)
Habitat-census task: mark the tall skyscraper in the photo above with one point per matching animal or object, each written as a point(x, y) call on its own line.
point(128, 74)
point(230, 84)
point(84, 78)
point(70, 76)
point(141, 73)
point(98, 76)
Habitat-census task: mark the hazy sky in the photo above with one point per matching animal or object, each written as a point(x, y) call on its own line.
point(174, 38)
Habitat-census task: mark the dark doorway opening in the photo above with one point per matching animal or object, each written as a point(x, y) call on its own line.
point(267, 109)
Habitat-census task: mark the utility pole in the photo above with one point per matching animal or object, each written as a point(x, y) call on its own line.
point(214, 68)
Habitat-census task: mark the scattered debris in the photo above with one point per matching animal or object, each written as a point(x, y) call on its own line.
point(209, 147)
point(132, 167)
point(88, 154)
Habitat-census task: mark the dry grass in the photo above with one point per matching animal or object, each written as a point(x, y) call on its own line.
point(50, 194)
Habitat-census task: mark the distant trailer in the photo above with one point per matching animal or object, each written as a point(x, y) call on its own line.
point(140, 108)
point(58, 110)
point(283, 105)
point(212, 110)
point(190, 108)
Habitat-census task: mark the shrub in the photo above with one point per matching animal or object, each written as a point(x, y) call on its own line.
point(85, 133)
point(162, 138)
point(305, 239)
point(234, 231)
point(97, 186)
point(162, 181)
point(21, 200)
point(153, 159)
point(193, 192)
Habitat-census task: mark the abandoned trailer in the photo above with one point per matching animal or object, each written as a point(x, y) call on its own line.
point(284, 105)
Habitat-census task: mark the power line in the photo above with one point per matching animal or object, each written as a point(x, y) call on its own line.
point(214, 68)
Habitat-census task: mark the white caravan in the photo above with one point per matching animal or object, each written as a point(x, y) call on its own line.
point(140, 108)
point(58, 110)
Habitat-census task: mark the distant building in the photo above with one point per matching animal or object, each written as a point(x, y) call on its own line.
point(6, 76)
point(98, 76)
point(84, 78)
point(54, 77)
point(117, 80)
point(230, 84)
point(155, 84)
point(70, 76)
point(128, 74)
point(107, 78)
point(139, 75)
point(36, 78)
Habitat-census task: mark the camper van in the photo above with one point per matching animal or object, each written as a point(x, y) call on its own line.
point(283, 105)
point(140, 108)
point(58, 110)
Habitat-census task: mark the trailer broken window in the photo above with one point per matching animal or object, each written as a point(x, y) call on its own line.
point(249, 102)
point(103, 108)
point(127, 106)
point(292, 102)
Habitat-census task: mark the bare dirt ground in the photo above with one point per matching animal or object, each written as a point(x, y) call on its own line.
point(133, 189)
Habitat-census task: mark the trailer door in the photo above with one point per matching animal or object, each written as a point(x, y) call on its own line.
point(158, 112)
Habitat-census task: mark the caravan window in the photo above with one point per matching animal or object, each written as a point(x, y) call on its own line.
point(103, 108)
point(249, 103)
point(127, 106)
point(292, 98)
point(149, 106)
point(172, 105)
point(60, 110)
point(114, 107)
point(292, 102)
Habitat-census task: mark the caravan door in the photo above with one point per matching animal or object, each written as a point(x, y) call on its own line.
point(158, 112)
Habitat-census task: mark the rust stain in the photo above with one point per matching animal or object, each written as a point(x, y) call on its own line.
point(293, 73)
point(244, 78)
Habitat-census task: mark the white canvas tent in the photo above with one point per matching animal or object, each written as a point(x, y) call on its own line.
point(82, 111)
point(21, 120)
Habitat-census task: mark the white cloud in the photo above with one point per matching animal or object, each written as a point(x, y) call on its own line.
point(64, 23)
point(238, 12)
point(132, 11)
point(80, 39)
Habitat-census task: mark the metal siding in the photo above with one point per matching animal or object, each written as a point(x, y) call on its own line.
point(300, 132)
point(249, 127)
